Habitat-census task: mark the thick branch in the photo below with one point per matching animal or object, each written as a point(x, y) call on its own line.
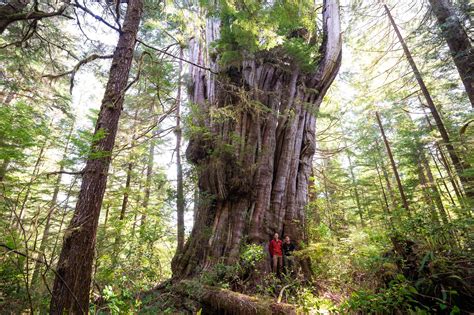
point(332, 44)
point(17, 15)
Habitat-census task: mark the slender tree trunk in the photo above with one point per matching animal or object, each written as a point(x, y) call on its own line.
point(427, 194)
point(128, 180)
point(459, 165)
point(36, 168)
point(72, 282)
point(458, 42)
point(107, 209)
point(137, 202)
point(54, 199)
point(149, 174)
point(312, 197)
point(356, 191)
point(253, 170)
point(108, 203)
point(4, 168)
point(446, 165)
point(126, 192)
point(385, 175)
point(394, 166)
point(434, 189)
point(63, 217)
point(442, 179)
point(123, 210)
point(179, 168)
point(385, 199)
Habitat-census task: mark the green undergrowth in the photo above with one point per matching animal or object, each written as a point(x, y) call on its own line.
point(371, 271)
point(358, 271)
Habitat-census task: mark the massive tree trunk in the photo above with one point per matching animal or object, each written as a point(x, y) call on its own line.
point(72, 283)
point(458, 42)
point(253, 168)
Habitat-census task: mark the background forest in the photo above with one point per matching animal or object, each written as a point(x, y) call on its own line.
point(388, 226)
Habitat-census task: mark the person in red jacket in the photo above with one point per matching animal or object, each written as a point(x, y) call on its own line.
point(276, 253)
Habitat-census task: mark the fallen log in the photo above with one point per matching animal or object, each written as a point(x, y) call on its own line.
point(222, 301)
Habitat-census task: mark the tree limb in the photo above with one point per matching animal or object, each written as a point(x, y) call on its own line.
point(73, 71)
point(175, 57)
point(33, 15)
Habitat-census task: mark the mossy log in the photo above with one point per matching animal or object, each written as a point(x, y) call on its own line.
point(223, 301)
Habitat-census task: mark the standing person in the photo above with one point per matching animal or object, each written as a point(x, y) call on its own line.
point(276, 253)
point(288, 249)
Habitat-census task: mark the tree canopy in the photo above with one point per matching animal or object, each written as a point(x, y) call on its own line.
point(150, 150)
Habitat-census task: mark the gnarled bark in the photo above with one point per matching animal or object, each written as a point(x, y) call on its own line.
point(254, 167)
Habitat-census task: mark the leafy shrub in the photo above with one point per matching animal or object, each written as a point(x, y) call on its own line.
point(221, 275)
point(400, 295)
point(252, 254)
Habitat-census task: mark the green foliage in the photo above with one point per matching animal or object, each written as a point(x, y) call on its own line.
point(304, 55)
point(252, 254)
point(20, 126)
point(251, 26)
point(312, 303)
point(399, 296)
point(221, 275)
point(119, 303)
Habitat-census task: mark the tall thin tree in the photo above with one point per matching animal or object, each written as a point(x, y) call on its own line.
point(74, 270)
point(459, 165)
point(394, 165)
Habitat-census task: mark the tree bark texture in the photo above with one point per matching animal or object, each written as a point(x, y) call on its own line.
point(72, 283)
point(458, 42)
point(253, 167)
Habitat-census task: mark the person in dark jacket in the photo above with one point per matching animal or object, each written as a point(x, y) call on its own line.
point(276, 253)
point(288, 248)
